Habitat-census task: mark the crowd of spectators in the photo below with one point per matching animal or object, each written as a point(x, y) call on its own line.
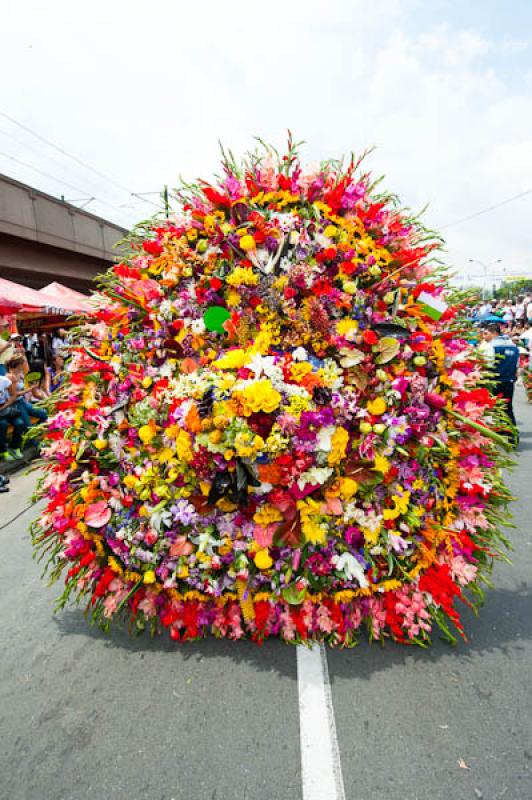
point(515, 317)
point(31, 368)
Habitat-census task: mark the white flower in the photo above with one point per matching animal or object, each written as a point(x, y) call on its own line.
point(167, 370)
point(313, 476)
point(160, 518)
point(197, 326)
point(165, 309)
point(323, 439)
point(300, 354)
point(264, 488)
point(351, 568)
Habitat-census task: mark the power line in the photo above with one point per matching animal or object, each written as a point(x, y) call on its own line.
point(486, 210)
point(66, 153)
point(54, 178)
point(50, 158)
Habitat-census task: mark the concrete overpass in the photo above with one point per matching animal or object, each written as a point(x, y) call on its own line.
point(43, 239)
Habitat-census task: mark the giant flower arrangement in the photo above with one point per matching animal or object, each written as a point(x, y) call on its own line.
point(275, 425)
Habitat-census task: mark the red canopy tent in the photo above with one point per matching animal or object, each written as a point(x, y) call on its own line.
point(67, 298)
point(14, 297)
point(61, 300)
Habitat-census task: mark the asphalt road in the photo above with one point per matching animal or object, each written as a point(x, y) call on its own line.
point(85, 715)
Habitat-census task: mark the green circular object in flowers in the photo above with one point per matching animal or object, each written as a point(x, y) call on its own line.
point(330, 465)
point(215, 317)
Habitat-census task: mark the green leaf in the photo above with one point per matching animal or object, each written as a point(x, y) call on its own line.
point(292, 595)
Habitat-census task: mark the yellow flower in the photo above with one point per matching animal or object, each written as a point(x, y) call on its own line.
point(266, 515)
point(232, 298)
point(376, 407)
point(147, 382)
point(339, 441)
point(247, 242)
point(100, 444)
point(182, 572)
point(242, 276)
point(182, 446)
point(298, 371)
point(344, 326)
point(370, 536)
point(114, 565)
point(149, 576)
point(263, 559)
point(381, 464)
point(312, 530)
point(147, 432)
point(164, 455)
point(233, 359)
point(260, 396)
point(130, 481)
point(348, 487)
point(330, 231)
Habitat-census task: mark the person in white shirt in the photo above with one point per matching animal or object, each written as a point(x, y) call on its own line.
point(508, 315)
point(529, 312)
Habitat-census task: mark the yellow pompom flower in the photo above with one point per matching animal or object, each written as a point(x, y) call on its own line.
point(100, 444)
point(260, 396)
point(147, 433)
point(262, 559)
point(247, 242)
point(149, 576)
point(376, 407)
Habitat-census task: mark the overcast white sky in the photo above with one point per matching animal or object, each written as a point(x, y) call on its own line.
point(142, 91)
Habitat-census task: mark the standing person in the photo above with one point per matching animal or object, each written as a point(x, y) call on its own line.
point(7, 350)
point(529, 311)
point(505, 367)
point(520, 310)
point(508, 315)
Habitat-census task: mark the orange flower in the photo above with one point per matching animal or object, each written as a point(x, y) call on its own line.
point(193, 419)
point(270, 473)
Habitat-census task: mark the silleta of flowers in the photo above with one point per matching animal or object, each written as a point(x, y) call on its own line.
point(275, 425)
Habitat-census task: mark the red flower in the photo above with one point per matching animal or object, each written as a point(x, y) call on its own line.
point(153, 248)
point(215, 197)
point(370, 337)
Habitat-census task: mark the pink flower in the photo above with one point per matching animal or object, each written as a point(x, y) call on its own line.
point(98, 514)
point(264, 535)
point(181, 547)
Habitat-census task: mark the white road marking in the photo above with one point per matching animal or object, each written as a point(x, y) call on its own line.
point(321, 770)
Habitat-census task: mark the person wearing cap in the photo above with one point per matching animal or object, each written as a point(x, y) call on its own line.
point(505, 366)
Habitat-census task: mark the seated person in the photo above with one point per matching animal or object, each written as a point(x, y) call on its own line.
point(10, 415)
point(56, 372)
point(38, 385)
point(16, 370)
